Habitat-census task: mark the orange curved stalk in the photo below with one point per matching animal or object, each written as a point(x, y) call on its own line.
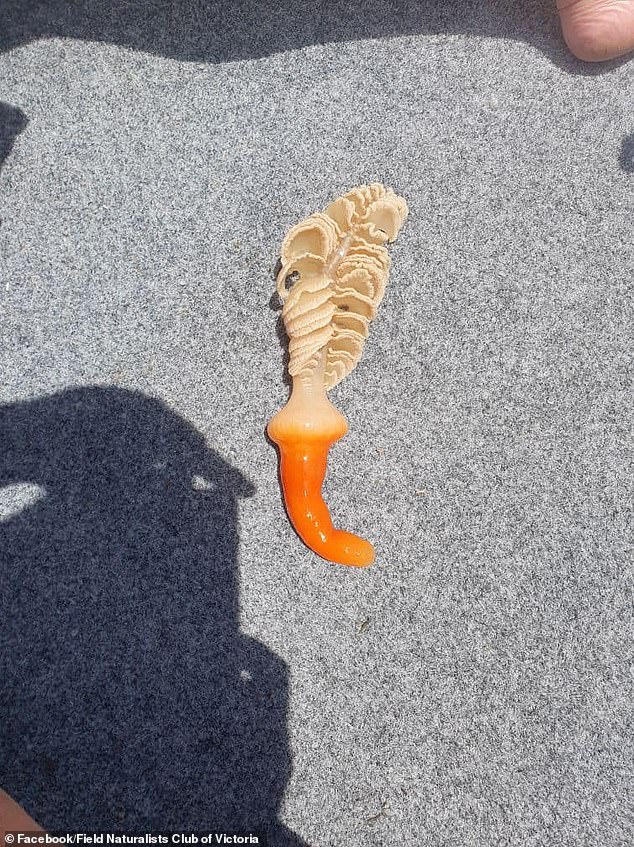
point(304, 430)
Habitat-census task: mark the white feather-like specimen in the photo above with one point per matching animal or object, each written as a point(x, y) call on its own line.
point(338, 266)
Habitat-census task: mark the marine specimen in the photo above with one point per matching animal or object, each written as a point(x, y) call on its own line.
point(334, 268)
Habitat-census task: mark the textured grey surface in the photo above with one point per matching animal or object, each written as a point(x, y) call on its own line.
point(171, 654)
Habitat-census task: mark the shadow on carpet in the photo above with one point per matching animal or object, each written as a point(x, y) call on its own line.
point(233, 30)
point(130, 698)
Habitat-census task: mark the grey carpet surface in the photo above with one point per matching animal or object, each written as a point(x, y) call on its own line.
point(171, 655)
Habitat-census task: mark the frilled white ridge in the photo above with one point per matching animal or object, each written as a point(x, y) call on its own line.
point(340, 266)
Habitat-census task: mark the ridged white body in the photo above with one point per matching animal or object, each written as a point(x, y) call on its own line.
point(340, 266)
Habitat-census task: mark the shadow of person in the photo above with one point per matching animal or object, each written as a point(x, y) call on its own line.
point(130, 699)
point(230, 30)
point(12, 122)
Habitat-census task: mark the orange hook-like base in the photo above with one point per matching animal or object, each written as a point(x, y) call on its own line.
point(303, 442)
point(302, 471)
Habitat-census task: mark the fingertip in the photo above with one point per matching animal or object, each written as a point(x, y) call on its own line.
point(596, 30)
